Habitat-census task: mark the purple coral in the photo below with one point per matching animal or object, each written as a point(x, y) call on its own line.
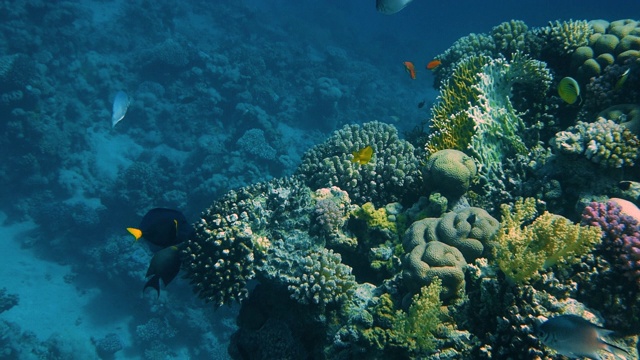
point(329, 216)
point(621, 236)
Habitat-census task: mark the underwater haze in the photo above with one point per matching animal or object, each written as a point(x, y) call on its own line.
point(295, 179)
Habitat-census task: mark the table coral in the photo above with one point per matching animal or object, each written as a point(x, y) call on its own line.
point(391, 175)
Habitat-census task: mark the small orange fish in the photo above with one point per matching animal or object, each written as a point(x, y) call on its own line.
point(408, 65)
point(362, 156)
point(433, 64)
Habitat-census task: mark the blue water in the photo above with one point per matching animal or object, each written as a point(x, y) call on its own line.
point(224, 94)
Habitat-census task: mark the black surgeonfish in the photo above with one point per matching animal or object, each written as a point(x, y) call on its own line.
point(162, 227)
point(164, 265)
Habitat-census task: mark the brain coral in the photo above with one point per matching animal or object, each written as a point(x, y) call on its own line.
point(391, 175)
point(234, 233)
point(450, 172)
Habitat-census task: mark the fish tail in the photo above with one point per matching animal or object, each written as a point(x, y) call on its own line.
point(154, 282)
point(137, 233)
point(617, 351)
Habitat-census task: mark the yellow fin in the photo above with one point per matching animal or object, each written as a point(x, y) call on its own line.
point(362, 156)
point(137, 233)
point(569, 90)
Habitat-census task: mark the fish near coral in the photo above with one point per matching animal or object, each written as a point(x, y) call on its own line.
point(362, 156)
point(569, 90)
point(165, 265)
point(411, 69)
point(622, 79)
point(390, 7)
point(433, 64)
point(573, 336)
point(162, 227)
point(120, 106)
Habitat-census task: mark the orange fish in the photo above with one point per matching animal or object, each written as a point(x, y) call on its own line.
point(408, 65)
point(433, 64)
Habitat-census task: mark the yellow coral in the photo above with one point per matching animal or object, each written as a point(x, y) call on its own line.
point(375, 218)
point(521, 251)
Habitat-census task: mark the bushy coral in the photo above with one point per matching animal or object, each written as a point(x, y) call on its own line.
point(522, 250)
point(408, 332)
point(566, 36)
point(330, 214)
point(391, 175)
point(603, 142)
point(235, 232)
point(621, 235)
point(312, 277)
point(253, 142)
point(108, 345)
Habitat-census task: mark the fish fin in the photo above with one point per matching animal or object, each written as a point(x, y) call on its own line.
point(137, 233)
point(617, 351)
point(154, 282)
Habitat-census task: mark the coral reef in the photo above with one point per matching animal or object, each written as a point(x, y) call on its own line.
point(391, 175)
point(604, 142)
point(450, 172)
point(522, 250)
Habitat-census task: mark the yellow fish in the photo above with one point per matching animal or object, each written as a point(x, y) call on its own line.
point(569, 90)
point(362, 156)
point(621, 80)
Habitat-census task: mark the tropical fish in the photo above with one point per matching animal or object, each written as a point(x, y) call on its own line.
point(162, 227)
point(165, 265)
point(575, 337)
point(622, 79)
point(433, 64)
point(408, 65)
point(120, 107)
point(569, 90)
point(391, 6)
point(362, 156)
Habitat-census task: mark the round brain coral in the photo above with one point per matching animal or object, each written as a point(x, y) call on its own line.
point(467, 230)
point(450, 172)
point(391, 175)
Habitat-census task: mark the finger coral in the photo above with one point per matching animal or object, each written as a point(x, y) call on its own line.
point(391, 175)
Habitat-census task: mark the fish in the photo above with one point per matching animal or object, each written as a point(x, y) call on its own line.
point(433, 64)
point(569, 90)
point(408, 65)
point(362, 156)
point(622, 79)
point(390, 7)
point(165, 265)
point(162, 227)
point(120, 107)
point(421, 104)
point(574, 336)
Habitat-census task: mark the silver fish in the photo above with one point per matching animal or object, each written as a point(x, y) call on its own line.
point(120, 106)
point(391, 6)
point(575, 337)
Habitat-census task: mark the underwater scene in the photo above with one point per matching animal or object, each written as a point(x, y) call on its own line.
point(280, 179)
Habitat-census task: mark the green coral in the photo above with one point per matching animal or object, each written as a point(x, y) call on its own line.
point(412, 332)
point(450, 172)
point(393, 173)
point(564, 37)
point(522, 250)
point(375, 218)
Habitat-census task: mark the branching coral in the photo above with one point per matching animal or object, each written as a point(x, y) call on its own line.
point(521, 250)
point(603, 142)
point(410, 332)
point(391, 175)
